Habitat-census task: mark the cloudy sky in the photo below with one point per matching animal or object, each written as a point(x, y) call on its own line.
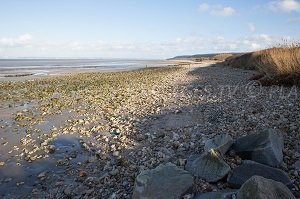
point(143, 28)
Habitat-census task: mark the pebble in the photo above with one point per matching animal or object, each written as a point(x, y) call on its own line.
point(114, 172)
point(182, 162)
point(51, 148)
point(68, 191)
point(42, 175)
point(82, 174)
point(126, 112)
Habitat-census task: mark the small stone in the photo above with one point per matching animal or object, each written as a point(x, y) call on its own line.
point(82, 174)
point(114, 172)
point(182, 162)
point(113, 196)
point(59, 184)
point(296, 173)
point(19, 183)
point(296, 165)
point(178, 111)
point(68, 191)
point(7, 180)
point(2, 163)
point(51, 148)
point(261, 188)
point(42, 175)
point(116, 153)
point(238, 160)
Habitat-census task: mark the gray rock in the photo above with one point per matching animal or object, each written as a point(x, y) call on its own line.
point(224, 194)
point(258, 187)
point(51, 148)
point(296, 165)
point(209, 166)
point(164, 182)
point(221, 143)
point(238, 176)
point(265, 147)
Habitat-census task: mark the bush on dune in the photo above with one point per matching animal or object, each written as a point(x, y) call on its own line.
point(276, 66)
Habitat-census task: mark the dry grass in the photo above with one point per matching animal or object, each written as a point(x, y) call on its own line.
point(279, 66)
point(222, 57)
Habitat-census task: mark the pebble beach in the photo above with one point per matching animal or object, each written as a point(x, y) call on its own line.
point(90, 135)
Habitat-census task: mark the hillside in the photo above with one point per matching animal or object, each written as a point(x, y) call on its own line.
point(197, 56)
point(275, 66)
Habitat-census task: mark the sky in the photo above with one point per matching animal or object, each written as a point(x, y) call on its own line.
point(149, 29)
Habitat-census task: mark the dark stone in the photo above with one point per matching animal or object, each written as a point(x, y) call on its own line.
point(244, 172)
point(164, 182)
point(220, 142)
point(258, 187)
point(209, 166)
point(265, 147)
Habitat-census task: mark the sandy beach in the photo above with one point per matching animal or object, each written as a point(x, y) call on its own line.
point(89, 135)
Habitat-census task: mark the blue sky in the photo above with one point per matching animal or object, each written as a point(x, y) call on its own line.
point(143, 28)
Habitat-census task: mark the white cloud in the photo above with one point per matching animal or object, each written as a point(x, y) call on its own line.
point(252, 27)
point(285, 5)
point(223, 11)
point(217, 10)
point(264, 37)
point(204, 7)
point(16, 41)
point(24, 46)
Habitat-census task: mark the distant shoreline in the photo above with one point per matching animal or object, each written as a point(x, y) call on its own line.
point(30, 74)
point(29, 69)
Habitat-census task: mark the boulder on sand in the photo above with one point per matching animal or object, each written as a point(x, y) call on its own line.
point(264, 147)
point(238, 176)
point(258, 187)
point(164, 182)
point(209, 166)
point(220, 142)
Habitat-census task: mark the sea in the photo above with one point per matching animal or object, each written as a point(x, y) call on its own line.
point(44, 67)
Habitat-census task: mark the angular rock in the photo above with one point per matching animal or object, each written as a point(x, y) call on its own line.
point(209, 166)
point(238, 176)
point(258, 187)
point(224, 194)
point(296, 165)
point(164, 182)
point(221, 143)
point(265, 147)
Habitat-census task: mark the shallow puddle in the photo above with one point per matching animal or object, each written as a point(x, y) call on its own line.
point(19, 176)
point(23, 179)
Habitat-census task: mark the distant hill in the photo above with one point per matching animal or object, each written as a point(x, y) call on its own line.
point(197, 56)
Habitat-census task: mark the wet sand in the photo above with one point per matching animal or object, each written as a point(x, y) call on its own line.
point(46, 123)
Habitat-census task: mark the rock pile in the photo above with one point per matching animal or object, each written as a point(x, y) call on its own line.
point(256, 176)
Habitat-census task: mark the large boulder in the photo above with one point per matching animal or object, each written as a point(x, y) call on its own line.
point(224, 194)
point(258, 187)
point(209, 166)
point(164, 182)
point(265, 147)
point(220, 142)
point(238, 176)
